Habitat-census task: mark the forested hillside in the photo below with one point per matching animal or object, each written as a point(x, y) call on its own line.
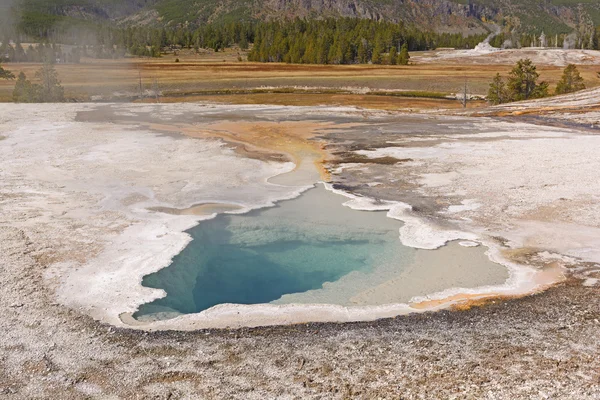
point(293, 31)
point(452, 16)
point(328, 41)
point(347, 41)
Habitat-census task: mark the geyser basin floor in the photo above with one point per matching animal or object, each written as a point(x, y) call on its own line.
point(310, 250)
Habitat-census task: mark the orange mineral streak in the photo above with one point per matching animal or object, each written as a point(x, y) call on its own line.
point(457, 301)
point(296, 140)
point(551, 274)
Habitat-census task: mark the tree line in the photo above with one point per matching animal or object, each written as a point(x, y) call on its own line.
point(522, 84)
point(327, 41)
point(48, 90)
point(330, 41)
point(346, 41)
point(40, 52)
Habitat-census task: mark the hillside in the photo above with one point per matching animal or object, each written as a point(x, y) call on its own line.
point(454, 16)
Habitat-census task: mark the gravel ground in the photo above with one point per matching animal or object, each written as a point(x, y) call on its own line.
point(544, 346)
point(538, 347)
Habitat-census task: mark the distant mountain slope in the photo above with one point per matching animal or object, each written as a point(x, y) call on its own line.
point(465, 16)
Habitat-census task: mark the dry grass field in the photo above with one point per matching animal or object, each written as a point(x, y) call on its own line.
point(221, 77)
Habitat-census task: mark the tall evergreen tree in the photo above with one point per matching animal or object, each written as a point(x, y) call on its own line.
point(497, 93)
point(522, 82)
point(403, 57)
point(376, 57)
point(24, 91)
point(50, 89)
point(393, 57)
point(571, 81)
point(362, 53)
point(243, 42)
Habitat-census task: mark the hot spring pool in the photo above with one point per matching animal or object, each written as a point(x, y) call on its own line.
point(310, 250)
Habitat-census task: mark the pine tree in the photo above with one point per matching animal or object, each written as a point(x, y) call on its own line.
point(296, 53)
point(376, 56)
point(50, 89)
point(263, 53)
point(362, 52)
point(403, 57)
point(4, 74)
point(350, 55)
point(541, 90)
point(243, 42)
point(571, 81)
point(522, 82)
point(497, 93)
point(24, 91)
point(323, 51)
point(393, 57)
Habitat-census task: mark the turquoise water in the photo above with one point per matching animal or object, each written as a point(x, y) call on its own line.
point(258, 257)
point(310, 250)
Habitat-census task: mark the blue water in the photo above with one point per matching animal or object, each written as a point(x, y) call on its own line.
point(295, 247)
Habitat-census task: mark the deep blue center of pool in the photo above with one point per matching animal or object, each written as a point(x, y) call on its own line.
point(260, 256)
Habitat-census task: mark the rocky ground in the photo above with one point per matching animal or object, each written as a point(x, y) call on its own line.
point(580, 109)
point(536, 347)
